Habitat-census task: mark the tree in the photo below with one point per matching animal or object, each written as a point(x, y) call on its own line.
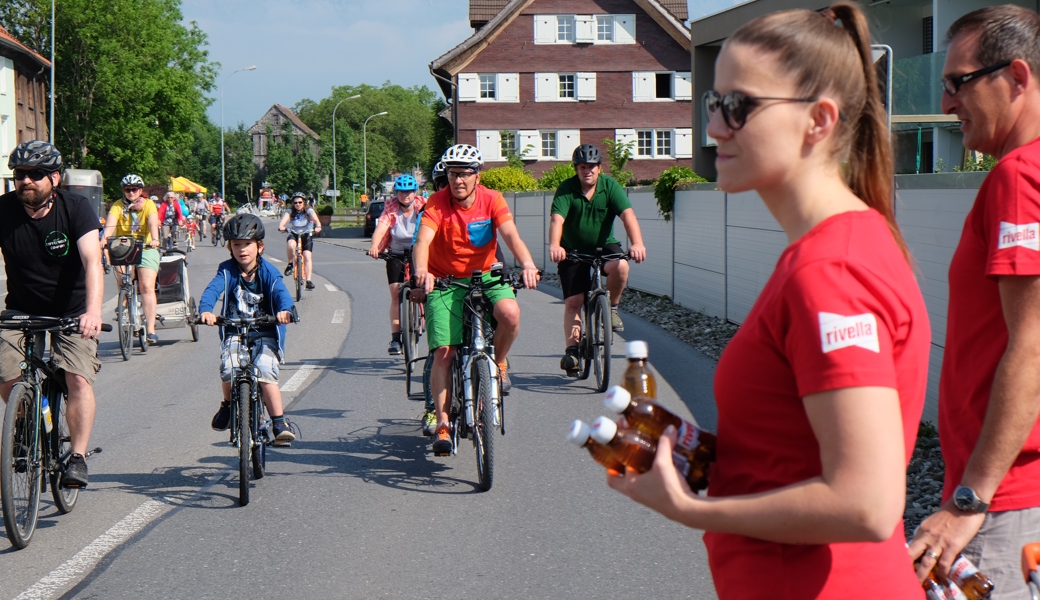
point(130, 81)
point(239, 169)
point(281, 164)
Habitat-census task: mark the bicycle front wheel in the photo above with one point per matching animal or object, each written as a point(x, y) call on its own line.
point(126, 326)
point(484, 430)
point(61, 449)
point(601, 333)
point(298, 276)
point(20, 466)
point(245, 443)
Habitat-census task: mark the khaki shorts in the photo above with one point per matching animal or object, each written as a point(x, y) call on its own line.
point(71, 353)
point(265, 357)
point(997, 550)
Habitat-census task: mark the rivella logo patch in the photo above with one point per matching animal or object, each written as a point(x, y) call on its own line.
point(839, 331)
point(1027, 236)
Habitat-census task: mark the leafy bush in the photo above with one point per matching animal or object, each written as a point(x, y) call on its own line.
point(664, 188)
point(324, 210)
point(508, 179)
point(618, 154)
point(552, 178)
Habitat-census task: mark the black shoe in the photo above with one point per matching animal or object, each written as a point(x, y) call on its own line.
point(394, 349)
point(288, 270)
point(442, 445)
point(310, 284)
point(222, 419)
point(569, 362)
point(283, 435)
point(75, 475)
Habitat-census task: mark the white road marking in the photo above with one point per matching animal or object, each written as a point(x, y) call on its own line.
point(86, 559)
point(296, 381)
point(273, 259)
point(337, 317)
point(331, 287)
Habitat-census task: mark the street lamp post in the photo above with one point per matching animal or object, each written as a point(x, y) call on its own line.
point(250, 68)
point(335, 196)
point(364, 143)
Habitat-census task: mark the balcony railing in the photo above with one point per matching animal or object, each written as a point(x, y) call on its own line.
point(916, 89)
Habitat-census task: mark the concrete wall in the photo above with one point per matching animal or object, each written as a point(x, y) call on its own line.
point(719, 250)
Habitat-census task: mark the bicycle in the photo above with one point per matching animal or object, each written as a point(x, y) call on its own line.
point(217, 235)
point(35, 439)
point(596, 331)
point(129, 314)
point(250, 426)
point(411, 315)
point(297, 263)
point(476, 405)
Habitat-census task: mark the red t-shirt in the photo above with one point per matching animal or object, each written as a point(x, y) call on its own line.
point(465, 240)
point(842, 309)
point(1001, 237)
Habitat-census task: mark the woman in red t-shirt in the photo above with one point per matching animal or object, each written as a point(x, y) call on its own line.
point(808, 490)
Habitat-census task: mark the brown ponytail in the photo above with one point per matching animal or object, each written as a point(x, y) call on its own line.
point(829, 54)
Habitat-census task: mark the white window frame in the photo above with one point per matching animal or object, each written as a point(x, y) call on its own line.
point(551, 137)
point(604, 22)
point(487, 86)
point(565, 22)
point(644, 86)
point(584, 29)
point(562, 79)
point(655, 141)
point(547, 87)
point(506, 87)
point(502, 139)
point(6, 66)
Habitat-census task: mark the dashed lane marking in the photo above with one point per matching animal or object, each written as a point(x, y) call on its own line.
point(331, 287)
point(296, 381)
point(273, 259)
point(337, 317)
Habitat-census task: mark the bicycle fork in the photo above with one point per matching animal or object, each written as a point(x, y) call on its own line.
point(469, 388)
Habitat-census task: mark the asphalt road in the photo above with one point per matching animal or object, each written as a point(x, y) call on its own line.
point(357, 507)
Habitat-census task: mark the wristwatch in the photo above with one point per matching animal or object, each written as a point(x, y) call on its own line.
point(966, 500)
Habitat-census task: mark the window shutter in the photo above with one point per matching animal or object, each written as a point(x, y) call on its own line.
point(508, 87)
point(584, 29)
point(624, 136)
point(469, 87)
point(586, 83)
point(529, 137)
point(682, 86)
point(545, 29)
point(643, 86)
point(682, 140)
point(624, 29)
point(566, 141)
point(489, 143)
point(546, 87)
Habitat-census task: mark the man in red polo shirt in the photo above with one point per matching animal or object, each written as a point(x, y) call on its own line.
point(989, 392)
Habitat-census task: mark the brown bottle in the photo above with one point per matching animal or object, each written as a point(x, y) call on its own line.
point(604, 455)
point(637, 450)
point(652, 419)
point(964, 578)
point(638, 379)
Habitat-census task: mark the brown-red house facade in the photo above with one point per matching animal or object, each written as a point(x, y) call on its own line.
point(547, 75)
point(24, 77)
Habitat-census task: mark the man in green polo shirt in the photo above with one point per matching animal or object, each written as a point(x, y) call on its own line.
point(583, 213)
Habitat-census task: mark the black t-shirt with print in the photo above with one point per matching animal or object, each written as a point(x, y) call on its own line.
point(45, 275)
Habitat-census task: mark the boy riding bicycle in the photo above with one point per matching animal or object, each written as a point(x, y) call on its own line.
point(251, 288)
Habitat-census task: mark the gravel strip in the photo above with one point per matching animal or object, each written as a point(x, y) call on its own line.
point(709, 335)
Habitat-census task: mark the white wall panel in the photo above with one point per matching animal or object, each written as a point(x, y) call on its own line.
point(700, 290)
point(746, 209)
point(700, 230)
point(751, 255)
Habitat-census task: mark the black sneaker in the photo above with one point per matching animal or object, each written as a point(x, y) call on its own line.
point(283, 435)
point(442, 445)
point(222, 419)
point(310, 284)
point(288, 270)
point(569, 362)
point(75, 475)
point(394, 349)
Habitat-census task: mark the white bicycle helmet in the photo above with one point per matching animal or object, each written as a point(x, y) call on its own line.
point(463, 155)
point(132, 180)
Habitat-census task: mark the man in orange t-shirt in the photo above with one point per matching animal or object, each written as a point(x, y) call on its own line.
point(457, 237)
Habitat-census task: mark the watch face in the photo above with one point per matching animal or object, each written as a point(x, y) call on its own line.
point(964, 498)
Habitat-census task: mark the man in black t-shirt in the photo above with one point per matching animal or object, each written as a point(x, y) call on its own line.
point(52, 256)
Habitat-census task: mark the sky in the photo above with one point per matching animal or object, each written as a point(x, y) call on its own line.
point(303, 48)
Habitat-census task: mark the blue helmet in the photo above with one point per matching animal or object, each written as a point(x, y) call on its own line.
point(406, 183)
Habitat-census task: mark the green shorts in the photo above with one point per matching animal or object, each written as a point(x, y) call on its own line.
point(444, 312)
point(150, 259)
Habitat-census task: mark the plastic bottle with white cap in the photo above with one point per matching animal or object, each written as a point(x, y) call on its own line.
point(580, 435)
point(638, 379)
point(636, 450)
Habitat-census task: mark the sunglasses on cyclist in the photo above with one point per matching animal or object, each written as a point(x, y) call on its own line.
point(130, 190)
point(736, 106)
point(952, 85)
point(34, 174)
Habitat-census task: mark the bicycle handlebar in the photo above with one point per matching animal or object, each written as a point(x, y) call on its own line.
point(515, 280)
point(248, 322)
point(592, 258)
point(31, 323)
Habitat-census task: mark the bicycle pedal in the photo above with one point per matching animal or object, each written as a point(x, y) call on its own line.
point(573, 373)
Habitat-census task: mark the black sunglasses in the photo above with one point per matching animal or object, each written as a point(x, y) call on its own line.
point(736, 106)
point(952, 85)
point(34, 174)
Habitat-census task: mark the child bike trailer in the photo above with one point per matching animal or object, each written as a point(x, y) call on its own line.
point(175, 306)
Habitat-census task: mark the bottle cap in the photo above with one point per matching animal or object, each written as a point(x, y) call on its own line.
point(617, 399)
point(603, 430)
point(579, 433)
point(637, 349)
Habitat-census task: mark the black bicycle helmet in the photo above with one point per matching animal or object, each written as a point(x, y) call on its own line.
point(586, 154)
point(35, 154)
point(244, 226)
